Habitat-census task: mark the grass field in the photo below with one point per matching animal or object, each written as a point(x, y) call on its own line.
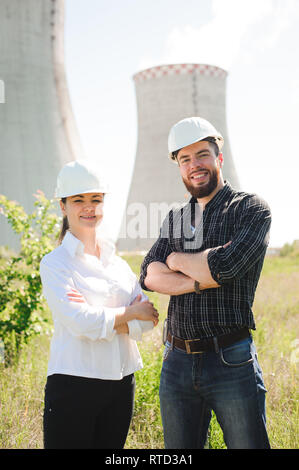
point(276, 311)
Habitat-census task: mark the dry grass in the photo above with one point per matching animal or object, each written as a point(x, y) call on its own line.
point(277, 339)
point(276, 310)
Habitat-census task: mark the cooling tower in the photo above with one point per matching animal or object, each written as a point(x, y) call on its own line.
point(37, 129)
point(165, 95)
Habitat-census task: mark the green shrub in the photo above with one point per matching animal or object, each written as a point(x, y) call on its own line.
point(290, 249)
point(22, 308)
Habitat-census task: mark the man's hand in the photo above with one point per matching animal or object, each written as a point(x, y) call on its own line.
point(171, 261)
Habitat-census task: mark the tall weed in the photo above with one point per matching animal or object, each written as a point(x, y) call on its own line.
point(276, 310)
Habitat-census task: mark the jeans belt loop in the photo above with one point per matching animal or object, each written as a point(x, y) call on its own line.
point(187, 345)
point(215, 340)
point(172, 338)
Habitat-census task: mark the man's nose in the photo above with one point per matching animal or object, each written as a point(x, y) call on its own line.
point(194, 162)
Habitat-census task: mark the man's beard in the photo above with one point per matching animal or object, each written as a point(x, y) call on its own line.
point(206, 189)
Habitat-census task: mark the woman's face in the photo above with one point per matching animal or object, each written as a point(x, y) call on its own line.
point(83, 211)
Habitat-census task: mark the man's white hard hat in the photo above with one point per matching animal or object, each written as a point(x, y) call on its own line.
point(79, 177)
point(191, 130)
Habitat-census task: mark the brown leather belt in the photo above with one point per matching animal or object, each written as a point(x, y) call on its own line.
point(196, 346)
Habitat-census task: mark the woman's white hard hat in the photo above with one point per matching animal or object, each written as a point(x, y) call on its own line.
point(79, 177)
point(191, 130)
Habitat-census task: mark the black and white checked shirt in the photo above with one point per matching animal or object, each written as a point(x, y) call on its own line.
point(231, 215)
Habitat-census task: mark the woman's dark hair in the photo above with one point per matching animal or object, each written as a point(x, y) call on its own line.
point(64, 226)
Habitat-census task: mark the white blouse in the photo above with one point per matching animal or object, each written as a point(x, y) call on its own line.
point(84, 342)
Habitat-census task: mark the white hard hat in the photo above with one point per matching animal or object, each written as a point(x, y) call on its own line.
point(79, 177)
point(191, 130)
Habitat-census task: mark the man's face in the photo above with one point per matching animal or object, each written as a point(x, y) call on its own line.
point(200, 168)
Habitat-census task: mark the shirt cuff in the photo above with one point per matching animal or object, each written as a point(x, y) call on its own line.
point(213, 263)
point(146, 326)
point(135, 331)
point(110, 314)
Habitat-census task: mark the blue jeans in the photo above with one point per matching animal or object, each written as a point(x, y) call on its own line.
point(228, 382)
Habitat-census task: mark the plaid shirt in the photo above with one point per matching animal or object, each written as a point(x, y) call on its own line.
point(233, 216)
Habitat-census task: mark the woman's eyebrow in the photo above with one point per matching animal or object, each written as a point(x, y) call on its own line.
point(82, 196)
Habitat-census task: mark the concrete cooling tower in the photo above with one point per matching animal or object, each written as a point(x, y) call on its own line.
point(37, 129)
point(165, 95)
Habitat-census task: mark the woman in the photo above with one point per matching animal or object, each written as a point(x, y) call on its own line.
point(99, 311)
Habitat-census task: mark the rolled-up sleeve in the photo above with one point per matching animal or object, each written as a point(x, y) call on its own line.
point(248, 244)
point(159, 252)
point(81, 319)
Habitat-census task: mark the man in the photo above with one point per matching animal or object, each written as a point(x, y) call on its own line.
point(210, 361)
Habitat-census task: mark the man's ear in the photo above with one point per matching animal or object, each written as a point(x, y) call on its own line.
point(220, 158)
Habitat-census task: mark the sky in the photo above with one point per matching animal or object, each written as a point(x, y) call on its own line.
point(256, 41)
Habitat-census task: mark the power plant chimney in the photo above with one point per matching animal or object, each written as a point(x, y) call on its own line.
point(166, 94)
point(38, 134)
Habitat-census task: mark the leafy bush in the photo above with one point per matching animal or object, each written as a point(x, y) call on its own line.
point(22, 307)
point(290, 249)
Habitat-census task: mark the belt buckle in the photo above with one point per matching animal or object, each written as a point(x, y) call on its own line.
point(187, 341)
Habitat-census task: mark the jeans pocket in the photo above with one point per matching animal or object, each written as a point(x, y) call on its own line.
point(237, 355)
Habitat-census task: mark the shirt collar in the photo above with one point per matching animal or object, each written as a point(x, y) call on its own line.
point(107, 250)
point(219, 197)
point(74, 247)
point(72, 244)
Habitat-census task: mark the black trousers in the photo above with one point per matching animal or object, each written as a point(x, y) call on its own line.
point(84, 413)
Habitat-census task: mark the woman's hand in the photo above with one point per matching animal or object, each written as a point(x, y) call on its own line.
point(75, 296)
point(140, 310)
point(122, 329)
point(143, 310)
